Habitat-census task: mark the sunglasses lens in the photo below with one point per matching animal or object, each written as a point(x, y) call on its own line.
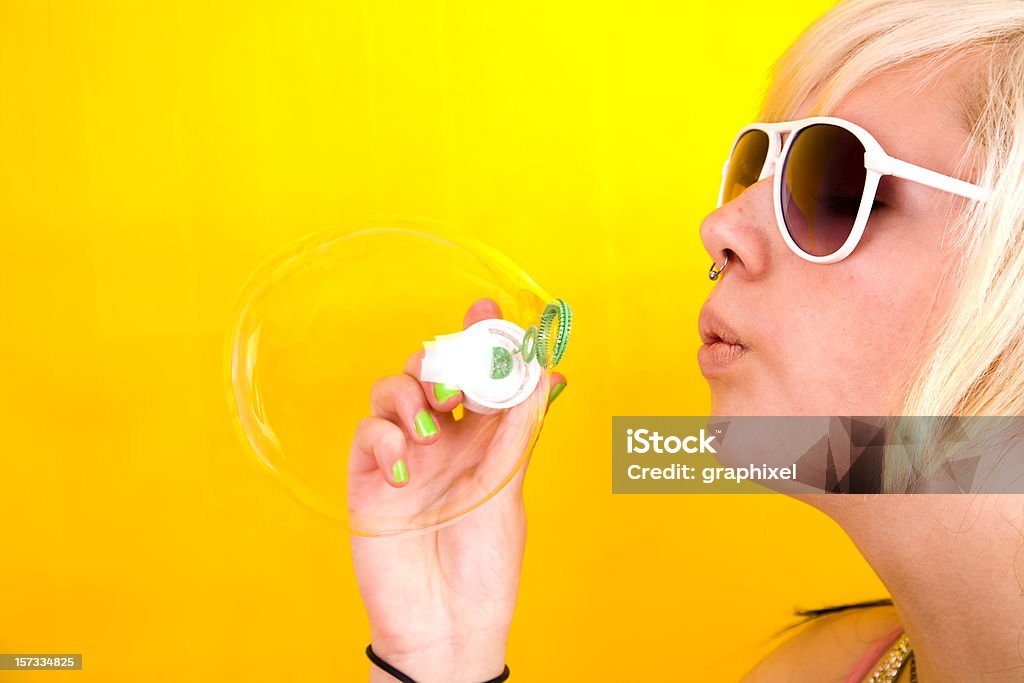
point(745, 164)
point(823, 183)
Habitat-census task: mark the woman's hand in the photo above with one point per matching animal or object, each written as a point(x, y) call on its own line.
point(440, 604)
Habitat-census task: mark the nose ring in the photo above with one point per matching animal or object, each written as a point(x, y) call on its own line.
point(713, 274)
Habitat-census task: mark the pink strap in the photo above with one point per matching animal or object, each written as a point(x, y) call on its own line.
point(866, 663)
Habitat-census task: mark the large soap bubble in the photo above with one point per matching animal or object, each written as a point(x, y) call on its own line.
point(319, 323)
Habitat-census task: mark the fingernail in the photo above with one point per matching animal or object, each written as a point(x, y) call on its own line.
point(399, 473)
point(443, 392)
point(425, 425)
point(555, 391)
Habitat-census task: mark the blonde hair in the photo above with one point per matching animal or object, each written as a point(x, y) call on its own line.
point(975, 365)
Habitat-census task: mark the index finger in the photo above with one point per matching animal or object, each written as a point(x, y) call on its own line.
point(482, 309)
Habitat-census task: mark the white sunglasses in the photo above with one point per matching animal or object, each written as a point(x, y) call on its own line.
point(825, 191)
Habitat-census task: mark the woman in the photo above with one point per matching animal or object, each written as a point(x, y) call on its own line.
point(923, 314)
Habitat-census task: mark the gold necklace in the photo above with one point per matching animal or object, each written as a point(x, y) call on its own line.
point(888, 670)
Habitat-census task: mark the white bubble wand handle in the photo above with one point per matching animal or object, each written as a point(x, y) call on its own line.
point(485, 362)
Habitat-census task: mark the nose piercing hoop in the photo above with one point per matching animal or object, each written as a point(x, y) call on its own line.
point(713, 274)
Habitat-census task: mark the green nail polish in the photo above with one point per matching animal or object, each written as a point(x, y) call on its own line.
point(555, 391)
point(399, 472)
point(425, 425)
point(443, 392)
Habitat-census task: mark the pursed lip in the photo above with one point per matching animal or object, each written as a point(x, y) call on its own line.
point(714, 328)
point(722, 345)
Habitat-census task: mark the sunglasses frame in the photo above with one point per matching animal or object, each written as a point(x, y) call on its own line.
point(876, 162)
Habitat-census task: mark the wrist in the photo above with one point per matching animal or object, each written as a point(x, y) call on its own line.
point(467, 659)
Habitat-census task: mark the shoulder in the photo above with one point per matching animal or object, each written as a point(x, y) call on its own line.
point(826, 648)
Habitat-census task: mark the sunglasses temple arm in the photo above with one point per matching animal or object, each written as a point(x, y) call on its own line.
point(902, 169)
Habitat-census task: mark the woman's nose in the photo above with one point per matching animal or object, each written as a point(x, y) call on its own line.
point(744, 228)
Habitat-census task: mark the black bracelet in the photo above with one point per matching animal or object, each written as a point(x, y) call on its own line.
point(392, 671)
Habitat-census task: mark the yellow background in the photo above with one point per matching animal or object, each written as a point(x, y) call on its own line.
point(151, 156)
